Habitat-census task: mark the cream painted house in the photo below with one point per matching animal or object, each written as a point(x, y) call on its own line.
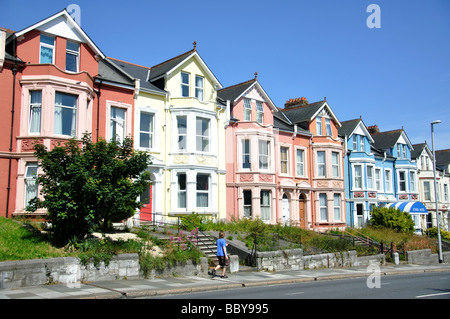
point(180, 121)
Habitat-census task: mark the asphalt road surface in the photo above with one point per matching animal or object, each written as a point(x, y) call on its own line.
point(411, 286)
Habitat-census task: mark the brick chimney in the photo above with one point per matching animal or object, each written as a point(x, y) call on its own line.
point(301, 101)
point(373, 129)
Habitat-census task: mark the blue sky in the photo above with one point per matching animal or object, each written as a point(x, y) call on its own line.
point(394, 76)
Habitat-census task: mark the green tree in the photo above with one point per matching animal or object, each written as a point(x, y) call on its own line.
point(392, 218)
point(87, 186)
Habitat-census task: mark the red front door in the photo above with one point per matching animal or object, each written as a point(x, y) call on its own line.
point(146, 200)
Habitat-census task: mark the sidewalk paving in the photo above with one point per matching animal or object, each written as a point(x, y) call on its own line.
point(175, 285)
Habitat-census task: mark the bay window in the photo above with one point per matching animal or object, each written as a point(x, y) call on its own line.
point(72, 56)
point(202, 190)
point(65, 114)
point(34, 126)
point(265, 205)
point(31, 185)
point(264, 158)
point(202, 134)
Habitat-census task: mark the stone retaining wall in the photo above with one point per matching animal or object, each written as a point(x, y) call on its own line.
point(424, 256)
point(68, 270)
point(293, 259)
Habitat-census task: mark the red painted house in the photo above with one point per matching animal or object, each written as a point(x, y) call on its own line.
point(63, 87)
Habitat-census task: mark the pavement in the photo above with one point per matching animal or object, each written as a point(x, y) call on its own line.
point(139, 288)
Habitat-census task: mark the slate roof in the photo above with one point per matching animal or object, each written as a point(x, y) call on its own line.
point(162, 68)
point(302, 113)
point(442, 158)
point(231, 93)
point(384, 140)
point(418, 149)
point(348, 127)
point(138, 72)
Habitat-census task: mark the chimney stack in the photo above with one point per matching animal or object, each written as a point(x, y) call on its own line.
point(291, 103)
point(373, 129)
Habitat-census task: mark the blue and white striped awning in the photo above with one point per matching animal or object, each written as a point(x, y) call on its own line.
point(410, 207)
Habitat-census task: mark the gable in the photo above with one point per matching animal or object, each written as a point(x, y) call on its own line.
point(326, 112)
point(59, 27)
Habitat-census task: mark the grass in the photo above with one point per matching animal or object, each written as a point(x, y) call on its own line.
point(19, 241)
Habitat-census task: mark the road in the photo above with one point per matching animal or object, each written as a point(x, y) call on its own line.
point(408, 286)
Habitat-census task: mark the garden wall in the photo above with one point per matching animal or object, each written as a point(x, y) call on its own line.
point(68, 270)
point(293, 259)
point(424, 256)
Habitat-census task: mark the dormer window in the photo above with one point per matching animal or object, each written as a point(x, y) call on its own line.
point(47, 49)
point(319, 125)
point(328, 127)
point(72, 56)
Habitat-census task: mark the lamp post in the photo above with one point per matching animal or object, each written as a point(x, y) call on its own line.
point(435, 191)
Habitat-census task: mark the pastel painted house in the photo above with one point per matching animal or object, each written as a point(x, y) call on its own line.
point(179, 120)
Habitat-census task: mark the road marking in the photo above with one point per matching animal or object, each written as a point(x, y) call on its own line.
point(295, 293)
point(432, 295)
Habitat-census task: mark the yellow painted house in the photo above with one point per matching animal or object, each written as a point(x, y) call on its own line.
point(180, 121)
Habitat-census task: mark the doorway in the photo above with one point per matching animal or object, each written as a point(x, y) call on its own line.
point(285, 209)
point(301, 209)
point(146, 199)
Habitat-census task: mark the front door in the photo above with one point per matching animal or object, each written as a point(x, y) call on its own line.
point(146, 200)
point(301, 211)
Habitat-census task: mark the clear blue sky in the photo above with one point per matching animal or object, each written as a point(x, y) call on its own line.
point(394, 76)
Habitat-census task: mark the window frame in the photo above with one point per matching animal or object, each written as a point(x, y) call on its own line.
point(203, 191)
point(181, 191)
point(28, 180)
point(203, 137)
point(48, 46)
point(74, 114)
point(184, 135)
point(199, 90)
point(185, 85)
point(259, 112)
point(246, 165)
point(261, 165)
point(265, 206)
point(300, 171)
point(73, 53)
point(335, 167)
point(321, 166)
point(247, 109)
point(247, 209)
point(115, 122)
point(323, 209)
point(150, 133)
point(284, 160)
point(32, 106)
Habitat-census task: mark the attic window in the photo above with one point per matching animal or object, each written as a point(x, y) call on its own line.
point(247, 110)
point(199, 87)
point(47, 47)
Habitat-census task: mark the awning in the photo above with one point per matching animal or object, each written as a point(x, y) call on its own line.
point(410, 207)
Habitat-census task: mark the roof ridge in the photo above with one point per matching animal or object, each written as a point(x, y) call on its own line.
point(7, 30)
point(301, 106)
point(236, 85)
point(129, 62)
point(391, 131)
point(174, 58)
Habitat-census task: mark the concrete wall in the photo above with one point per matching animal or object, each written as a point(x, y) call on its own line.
point(424, 256)
point(293, 259)
point(68, 270)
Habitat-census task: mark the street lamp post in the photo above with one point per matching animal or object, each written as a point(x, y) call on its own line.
point(435, 191)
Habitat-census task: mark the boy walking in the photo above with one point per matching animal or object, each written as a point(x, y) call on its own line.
point(222, 254)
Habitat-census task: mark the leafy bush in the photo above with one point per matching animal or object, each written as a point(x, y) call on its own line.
point(392, 218)
point(88, 186)
point(432, 232)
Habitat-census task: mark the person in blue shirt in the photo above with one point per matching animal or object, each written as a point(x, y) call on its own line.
point(222, 254)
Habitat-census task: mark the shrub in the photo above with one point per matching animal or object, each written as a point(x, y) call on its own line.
point(392, 218)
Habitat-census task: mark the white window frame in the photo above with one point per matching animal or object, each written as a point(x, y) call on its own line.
point(328, 127)
point(180, 191)
point(300, 164)
point(150, 133)
point(74, 53)
point(247, 206)
point(412, 181)
point(337, 207)
point(378, 179)
point(116, 122)
point(48, 46)
point(35, 110)
point(206, 192)
point(265, 208)
point(323, 207)
point(246, 142)
point(247, 110)
point(335, 167)
point(319, 125)
point(185, 85)
point(262, 157)
point(388, 181)
point(259, 112)
point(30, 181)
point(284, 161)
point(183, 135)
point(67, 107)
point(321, 166)
point(427, 190)
point(199, 89)
point(202, 136)
point(358, 180)
point(371, 179)
point(404, 180)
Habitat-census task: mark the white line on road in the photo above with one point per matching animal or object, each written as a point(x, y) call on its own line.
point(295, 293)
point(432, 295)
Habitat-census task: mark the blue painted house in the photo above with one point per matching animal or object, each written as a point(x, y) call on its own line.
point(379, 171)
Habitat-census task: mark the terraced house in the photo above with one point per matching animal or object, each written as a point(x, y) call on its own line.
point(50, 85)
